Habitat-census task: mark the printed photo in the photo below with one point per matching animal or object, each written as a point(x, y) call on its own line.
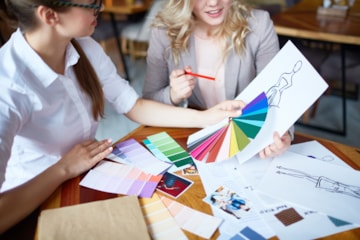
point(173, 185)
point(228, 201)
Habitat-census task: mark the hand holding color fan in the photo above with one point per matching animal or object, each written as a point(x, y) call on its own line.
point(234, 136)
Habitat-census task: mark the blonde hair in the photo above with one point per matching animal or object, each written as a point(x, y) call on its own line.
point(178, 20)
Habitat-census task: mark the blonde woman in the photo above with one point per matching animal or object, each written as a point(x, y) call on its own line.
point(223, 39)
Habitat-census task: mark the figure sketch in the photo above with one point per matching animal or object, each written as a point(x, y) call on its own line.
point(284, 82)
point(322, 182)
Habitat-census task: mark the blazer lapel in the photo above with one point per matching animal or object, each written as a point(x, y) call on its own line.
point(232, 72)
point(188, 58)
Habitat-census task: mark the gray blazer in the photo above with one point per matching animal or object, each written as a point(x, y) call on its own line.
point(261, 46)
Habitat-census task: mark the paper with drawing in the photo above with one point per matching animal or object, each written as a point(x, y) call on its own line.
point(291, 85)
point(326, 187)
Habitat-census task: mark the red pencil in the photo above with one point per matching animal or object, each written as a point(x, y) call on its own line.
point(199, 75)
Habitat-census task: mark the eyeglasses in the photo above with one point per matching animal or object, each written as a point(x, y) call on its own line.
point(96, 5)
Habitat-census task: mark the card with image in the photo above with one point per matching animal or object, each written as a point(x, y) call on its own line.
point(191, 170)
point(229, 201)
point(173, 185)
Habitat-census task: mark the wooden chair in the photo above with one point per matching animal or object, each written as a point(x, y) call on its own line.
point(135, 36)
point(316, 53)
point(332, 72)
point(330, 69)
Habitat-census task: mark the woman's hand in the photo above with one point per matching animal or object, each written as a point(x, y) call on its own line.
point(181, 85)
point(278, 147)
point(20, 201)
point(84, 156)
point(223, 110)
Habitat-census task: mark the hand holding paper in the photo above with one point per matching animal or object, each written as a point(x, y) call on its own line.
point(285, 80)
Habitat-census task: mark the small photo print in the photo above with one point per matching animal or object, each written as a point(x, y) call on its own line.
point(190, 170)
point(229, 201)
point(173, 185)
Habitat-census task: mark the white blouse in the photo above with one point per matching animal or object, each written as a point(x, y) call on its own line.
point(44, 114)
point(210, 62)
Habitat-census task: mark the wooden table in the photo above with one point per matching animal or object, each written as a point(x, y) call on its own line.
point(71, 193)
point(302, 21)
point(123, 10)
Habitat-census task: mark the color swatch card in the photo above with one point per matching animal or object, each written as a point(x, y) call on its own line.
point(165, 148)
point(191, 220)
point(286, 79)
point(119, 178)
point(133, 153)
point(161, 225)
point(222, 143)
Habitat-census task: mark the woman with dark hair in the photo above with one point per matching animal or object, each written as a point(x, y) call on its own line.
point(54, 80)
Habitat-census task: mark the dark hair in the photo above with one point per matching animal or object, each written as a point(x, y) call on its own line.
point(8, 21)
point(89, 82)
point(2, 5)
point(22, 11)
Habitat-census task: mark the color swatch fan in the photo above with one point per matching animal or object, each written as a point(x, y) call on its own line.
point(234, 135)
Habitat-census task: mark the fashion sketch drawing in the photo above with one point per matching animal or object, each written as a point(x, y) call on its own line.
point(284, 82)
point(322, 182)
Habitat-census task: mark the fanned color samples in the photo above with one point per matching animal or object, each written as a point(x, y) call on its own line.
point(234, 136)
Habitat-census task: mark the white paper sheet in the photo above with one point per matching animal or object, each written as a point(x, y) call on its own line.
point(316, 150)
point(291, 85)
point(225, 173)
point(254, 170)
point(328, 188)
point(290, 221)
point(196, 222)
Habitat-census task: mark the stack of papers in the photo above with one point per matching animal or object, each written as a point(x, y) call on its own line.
point(166, 218)
point(291, 193)
point(316, 185)
point(131, 173)
point(251, 198)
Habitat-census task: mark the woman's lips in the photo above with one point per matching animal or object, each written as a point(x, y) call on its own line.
point(214, 13)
